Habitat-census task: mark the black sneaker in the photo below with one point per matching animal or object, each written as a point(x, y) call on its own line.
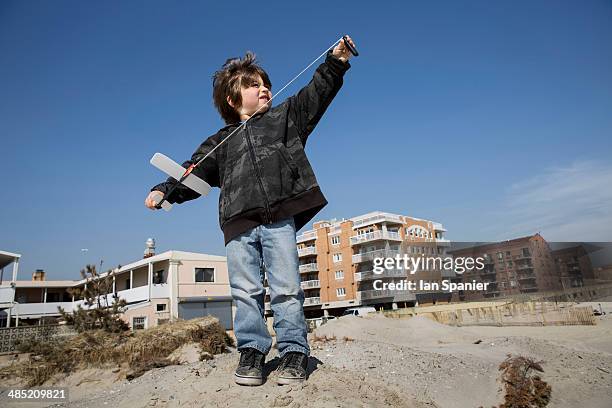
point(292, 368)
point(250, 367)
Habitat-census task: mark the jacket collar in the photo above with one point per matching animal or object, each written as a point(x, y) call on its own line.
point(236, 124)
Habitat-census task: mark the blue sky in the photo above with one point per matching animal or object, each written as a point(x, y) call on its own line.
point(494, 118)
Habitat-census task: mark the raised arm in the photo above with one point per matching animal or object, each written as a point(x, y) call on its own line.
point(308, 106)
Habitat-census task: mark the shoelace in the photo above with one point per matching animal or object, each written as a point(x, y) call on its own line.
point(293, 360)
point(248, 357)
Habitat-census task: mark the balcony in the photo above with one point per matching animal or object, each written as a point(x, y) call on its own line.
point(306, 236)
point(438, 227)
point(309, 301)
point(309, 284)
point(374, 236)
point(443, 242)
point(378, 218)
point(368, 275)
point(387, 293)
point(41, 309)
point(310, 267)
point(135, 294)
point(523, 267)
point(522, 256)
point(379, 253)
point(6, 294)
point(160, 290)
point(307, 251)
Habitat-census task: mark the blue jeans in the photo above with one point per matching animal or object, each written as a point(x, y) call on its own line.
point(272, 246)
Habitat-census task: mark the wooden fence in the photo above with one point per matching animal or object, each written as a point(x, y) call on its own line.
point(508, 314)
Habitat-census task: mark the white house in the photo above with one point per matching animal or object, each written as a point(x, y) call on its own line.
point(173, 284)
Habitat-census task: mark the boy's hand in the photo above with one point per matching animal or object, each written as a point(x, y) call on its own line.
point(341, 51)
point(153, 198)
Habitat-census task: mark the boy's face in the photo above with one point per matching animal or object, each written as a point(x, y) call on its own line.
point(254, 96)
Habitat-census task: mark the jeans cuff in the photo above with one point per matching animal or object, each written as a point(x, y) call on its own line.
point(294, 349)
point(255, 346)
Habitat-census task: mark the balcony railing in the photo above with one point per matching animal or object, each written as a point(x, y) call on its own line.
point(311, 267)
point(135, 294)
point(437, 226)
point(307, 251)
point(306, 236)
point(521, 256)
point(367, 275)
point(379, 253)
point(375, 219)
point(6, 294)
point(375, 235)
point(443, 242)
point(42, 309)
point(310, 284)
point(309, 301)
point(160, 290)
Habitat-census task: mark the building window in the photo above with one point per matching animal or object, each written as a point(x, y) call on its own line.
point(525, 252)
point(365, 231)
point(500, 256)
point(337, 257)
point(204, 274)
point(161, 307)
point(340, 292)
point(339, 275)
point(335, 240)
point(127, 283)
point(139, 323)
point(158, 277)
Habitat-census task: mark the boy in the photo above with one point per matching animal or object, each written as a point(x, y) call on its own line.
point(268, 192)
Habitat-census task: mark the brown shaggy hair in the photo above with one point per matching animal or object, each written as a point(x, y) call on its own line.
point(235, 74)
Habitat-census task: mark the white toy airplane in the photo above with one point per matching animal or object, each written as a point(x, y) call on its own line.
point(184, 176)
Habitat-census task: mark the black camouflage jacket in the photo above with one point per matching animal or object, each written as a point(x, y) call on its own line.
point(262, 170)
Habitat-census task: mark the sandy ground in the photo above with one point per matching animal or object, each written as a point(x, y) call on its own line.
point(388, 363)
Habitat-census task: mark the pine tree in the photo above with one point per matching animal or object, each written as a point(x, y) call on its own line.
point(103, 308)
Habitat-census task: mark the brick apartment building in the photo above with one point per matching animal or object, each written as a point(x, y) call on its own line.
point(574, 266)
point(336, 262)
point(514, 267)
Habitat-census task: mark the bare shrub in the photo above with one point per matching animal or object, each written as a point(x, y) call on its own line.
point(523, 388)
point(137, 352)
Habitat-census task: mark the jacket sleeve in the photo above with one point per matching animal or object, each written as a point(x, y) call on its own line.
point(308, 106)
point(208, 171)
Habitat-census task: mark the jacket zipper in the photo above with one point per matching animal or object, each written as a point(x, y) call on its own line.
point(258, 175)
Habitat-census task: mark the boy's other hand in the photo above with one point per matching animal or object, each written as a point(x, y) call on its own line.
point(153, 198)
point(341, 51)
